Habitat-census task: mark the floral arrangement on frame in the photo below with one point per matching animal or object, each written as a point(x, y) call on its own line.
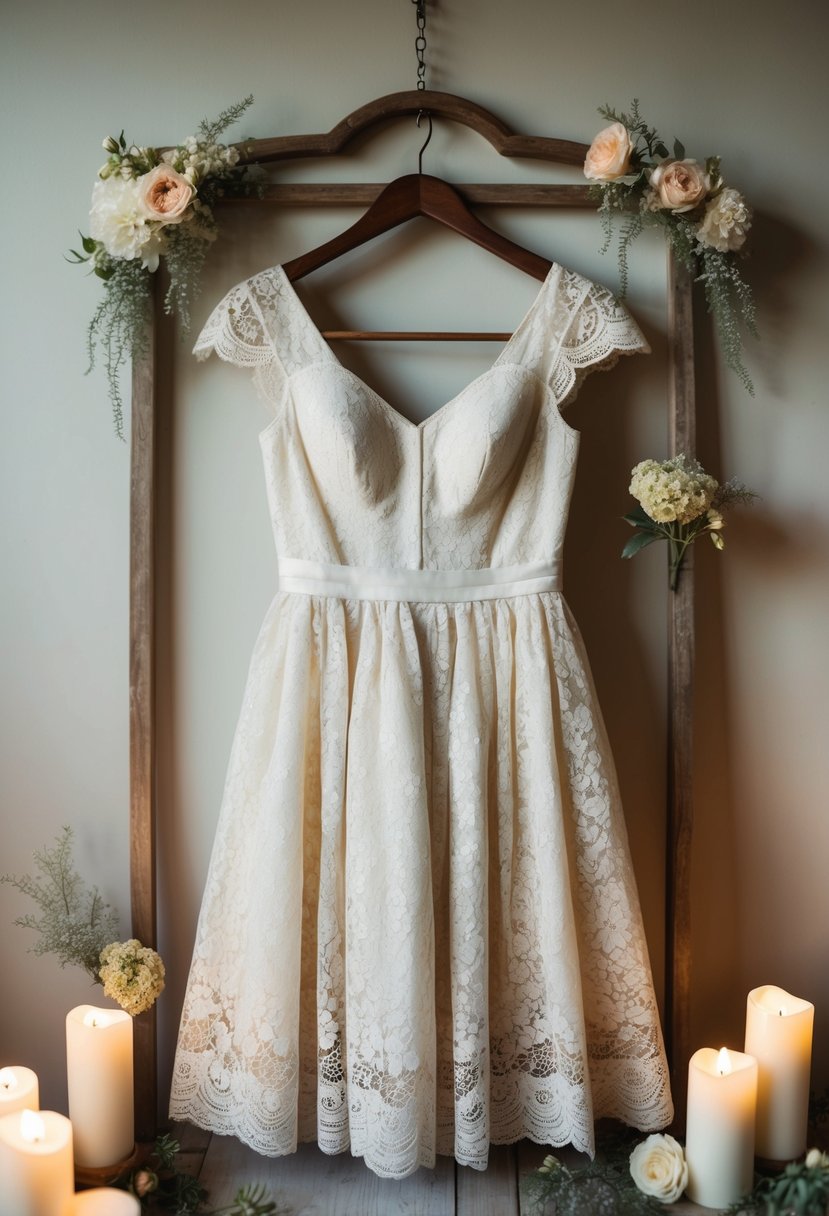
point(705, 222)
point(151, 206)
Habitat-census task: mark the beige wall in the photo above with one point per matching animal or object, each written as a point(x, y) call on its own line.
point(742, 81)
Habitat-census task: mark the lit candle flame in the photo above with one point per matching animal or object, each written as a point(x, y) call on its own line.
point(723, 1062)
point(8, 1078)
point(97, 1017)
point(32, 1127)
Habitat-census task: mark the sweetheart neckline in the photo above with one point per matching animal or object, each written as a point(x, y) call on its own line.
point(501, 359)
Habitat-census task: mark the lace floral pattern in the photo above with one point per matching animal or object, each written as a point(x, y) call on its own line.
point(420, 931)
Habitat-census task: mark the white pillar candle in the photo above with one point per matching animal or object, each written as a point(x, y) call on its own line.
point(719, 1136)
point(18, 1090)
point(37, 1176)
point(103, 1201)
point(779, 1034)
point(99, 1074)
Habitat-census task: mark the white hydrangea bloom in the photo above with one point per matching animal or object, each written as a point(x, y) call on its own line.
point(132, 975)
point(119, 221)
point(672, 490)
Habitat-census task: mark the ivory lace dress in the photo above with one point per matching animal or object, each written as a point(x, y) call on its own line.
point(420, 931)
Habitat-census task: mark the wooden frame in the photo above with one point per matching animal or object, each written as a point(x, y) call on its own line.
point(142, 550)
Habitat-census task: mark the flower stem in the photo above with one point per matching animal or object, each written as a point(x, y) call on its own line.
point(678, 545)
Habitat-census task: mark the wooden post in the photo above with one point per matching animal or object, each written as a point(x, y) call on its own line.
point(682, 438)
point(142, 710)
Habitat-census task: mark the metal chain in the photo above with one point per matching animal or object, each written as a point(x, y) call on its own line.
point(420, 42)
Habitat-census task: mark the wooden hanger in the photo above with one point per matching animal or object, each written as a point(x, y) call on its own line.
point(404, 199)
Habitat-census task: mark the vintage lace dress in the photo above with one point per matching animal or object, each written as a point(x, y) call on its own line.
point(420, 931)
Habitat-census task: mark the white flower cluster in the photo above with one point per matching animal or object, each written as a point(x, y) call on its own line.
point(119, 220)
point(196, 160)
point(132, 975)
point(726, 222)
point(673, 490)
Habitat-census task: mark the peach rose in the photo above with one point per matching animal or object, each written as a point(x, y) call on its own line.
point(609, 154)
point(166, 195)
point(679, 185)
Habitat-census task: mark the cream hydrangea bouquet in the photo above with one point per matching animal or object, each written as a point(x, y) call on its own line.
point(80, 928)
point(679, 501)
point(149, 206)
point(705, 221)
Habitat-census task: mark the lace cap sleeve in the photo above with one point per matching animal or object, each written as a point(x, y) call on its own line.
point(235, 331)
point(599, 333)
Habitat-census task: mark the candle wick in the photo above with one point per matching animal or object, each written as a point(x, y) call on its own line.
point(780, 1011)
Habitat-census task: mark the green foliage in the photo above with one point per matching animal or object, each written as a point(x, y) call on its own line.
point(800, 1190)
point(185, 256)
point(251, 1201)
point(72, 921)
point(602, 1187)
point(163, 1187)
point(210, 131)
point(645, 139)
point(119, 326)
point(729, 299)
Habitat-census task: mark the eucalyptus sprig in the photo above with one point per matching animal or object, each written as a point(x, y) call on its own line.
point(705, 222)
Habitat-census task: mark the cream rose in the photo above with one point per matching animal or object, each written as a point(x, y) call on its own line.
point(609, 154)
point(726, 222)
point(166, 195)
point(679, 185)
point(658, 1167)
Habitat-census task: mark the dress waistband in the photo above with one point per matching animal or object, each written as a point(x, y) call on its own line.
point(416, 586)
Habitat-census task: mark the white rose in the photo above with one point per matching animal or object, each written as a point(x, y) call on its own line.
point(658, 1167)
point(726, 222)
point(119, 221)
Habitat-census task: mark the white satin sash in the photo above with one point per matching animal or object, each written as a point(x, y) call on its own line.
point(416, 586)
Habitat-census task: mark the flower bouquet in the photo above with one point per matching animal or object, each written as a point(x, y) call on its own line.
point(678, 501)
point(75, 923)
point(705, 221)
point(148, 205)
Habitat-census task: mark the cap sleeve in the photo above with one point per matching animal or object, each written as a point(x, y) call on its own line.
point(599, 333)
point(235, 331)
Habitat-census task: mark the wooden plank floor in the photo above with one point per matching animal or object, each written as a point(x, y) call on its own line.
point(311, 1183)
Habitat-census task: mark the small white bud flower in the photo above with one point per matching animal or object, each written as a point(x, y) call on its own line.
point(110, 144)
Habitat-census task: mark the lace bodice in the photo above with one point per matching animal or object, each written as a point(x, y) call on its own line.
point(485, 481)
